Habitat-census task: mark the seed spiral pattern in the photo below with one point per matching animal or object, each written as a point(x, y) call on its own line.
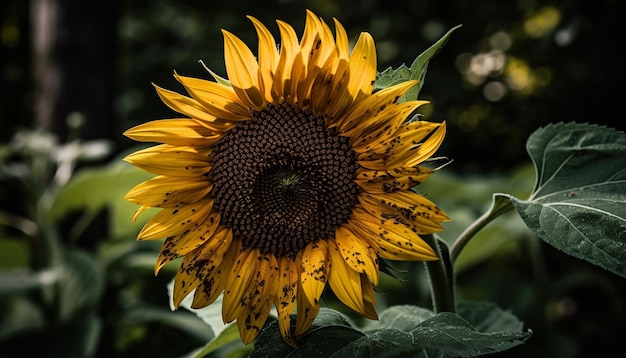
point(283, 179)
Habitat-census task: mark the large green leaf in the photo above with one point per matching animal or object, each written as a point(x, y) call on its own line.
point(578, 204)
point(417, 71)
point(405, 329)
point(402, 331)
point(487, 317)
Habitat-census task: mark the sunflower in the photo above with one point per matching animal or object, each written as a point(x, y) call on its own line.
point(291, 174)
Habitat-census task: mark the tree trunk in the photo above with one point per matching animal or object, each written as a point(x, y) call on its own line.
point(74, 57)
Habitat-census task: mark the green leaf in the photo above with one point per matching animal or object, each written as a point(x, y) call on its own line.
point(487, 317)
point(457, 337)
point(417, 71)
point(326, 341)
point(578, 204)
point(20, 315)
point(95, 189)
point(403, 317)
point(227, 336)
point(406, 331)
point(19, 280)
point(80, 286)
point(182, 321)
point(270, 343)
point(415, 330)
point(329, 332)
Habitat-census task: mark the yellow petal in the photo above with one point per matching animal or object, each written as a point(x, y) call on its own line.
point(178, 131)
point(429, 147)
point(174, 221)
point(310, 39)
point(407, 147)
point(168, 192)
point(243, 71)
point(217, 125)
point(259, 298)
point(171, 161)
point(408, 135)
point(408, 206)
point(345, 282)
point(195, 267)
point(298, 75)
point(268, 59)
point(218, 100)
point(307, 311)
point(289, 63)
point(243, 272)
point(369, 300)
point(382, 125)
point(343, 45)
point(357, 254)
point(314, 270)
point(214, 281)
point(321, 96)
point(389, 181)
point(329, 92)
point(368, 110)
point(317, 45)
point(392, 239)
point(179, 245)
point(362, 67)
point(286, 292)
point(138, 212)
point(184, 105)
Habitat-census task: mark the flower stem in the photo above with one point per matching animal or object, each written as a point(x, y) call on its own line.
point(501, 204)
point(441, 277)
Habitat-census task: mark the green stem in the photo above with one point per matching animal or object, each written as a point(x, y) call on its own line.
point(501, 204)
point(441, 277)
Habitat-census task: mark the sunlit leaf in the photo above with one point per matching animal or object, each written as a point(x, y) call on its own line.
point(417, 71)
point(228, 336)
point(94, 189)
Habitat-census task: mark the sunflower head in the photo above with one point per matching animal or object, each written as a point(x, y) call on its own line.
point(287, 177)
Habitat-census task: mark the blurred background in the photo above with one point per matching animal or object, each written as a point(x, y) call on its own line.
point(77, 73)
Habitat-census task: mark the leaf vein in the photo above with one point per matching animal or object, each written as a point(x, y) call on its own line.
point(582, 234)
point(607, 213)
point(568, 190)
point(542, 184)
